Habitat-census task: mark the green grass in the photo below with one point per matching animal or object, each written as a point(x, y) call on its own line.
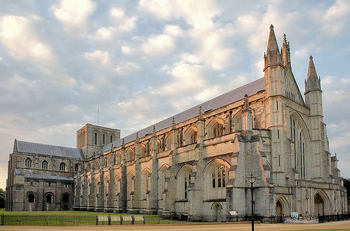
point(59, 218)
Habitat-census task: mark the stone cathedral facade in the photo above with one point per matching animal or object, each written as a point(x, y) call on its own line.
point(196, 163)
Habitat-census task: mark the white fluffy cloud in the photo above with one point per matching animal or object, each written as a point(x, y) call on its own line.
point(74, 14)
point(101, 58)
point(124, 23)
point(195, 13)
point(185, 78)
point(19, 37)
point(158, 45)
point(336, 18)
point(127, 68)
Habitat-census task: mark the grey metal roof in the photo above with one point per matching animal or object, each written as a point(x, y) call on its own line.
point(43, 176)
point(215, 103)
point(45, 149)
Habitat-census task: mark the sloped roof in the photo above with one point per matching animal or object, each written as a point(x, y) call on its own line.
point(45, 149)
point(44, 176)
point(215, 103)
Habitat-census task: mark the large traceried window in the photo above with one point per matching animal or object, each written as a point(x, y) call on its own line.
point(129, 154)
point(191, 135)
point(118, 158)
point(216, 128)
point(297, 135)
point(184, 181)
point(117, 184)
point(145, 183)
point(130, 183)
point(216, 177)
point(28, 163)
point(163, 176)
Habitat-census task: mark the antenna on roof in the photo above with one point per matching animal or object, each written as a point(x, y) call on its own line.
point(98, 115)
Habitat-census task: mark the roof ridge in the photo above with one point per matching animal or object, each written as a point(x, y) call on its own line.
point(211, 104)
point(52, 145)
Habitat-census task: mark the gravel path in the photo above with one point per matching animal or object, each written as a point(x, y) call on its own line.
point(345, 225)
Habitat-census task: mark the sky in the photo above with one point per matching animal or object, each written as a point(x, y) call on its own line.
point(130, 63)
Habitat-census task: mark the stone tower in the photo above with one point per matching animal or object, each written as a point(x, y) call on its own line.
point(91, 138)
point(313, 100)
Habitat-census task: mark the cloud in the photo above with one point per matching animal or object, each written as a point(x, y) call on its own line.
point(185, 78)
point(336, 17)
point(195, 13)
point(173, 30)
point(127, 68)
point(74, 14)
point(19, 37)
point(124, 23)
point(103, 34)
point(100, 58)
point(158, 45)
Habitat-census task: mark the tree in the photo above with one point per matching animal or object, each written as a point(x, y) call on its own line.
point(347, 186)
point(2, 198)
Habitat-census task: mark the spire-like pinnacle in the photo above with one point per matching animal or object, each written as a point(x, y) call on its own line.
point(272, 43)
point(174, 125)
point(311, 73)
point(200, 115)
point(154, 131)
point(312, 83)
point(273, 56)
point(137, 137)
point(123, 145)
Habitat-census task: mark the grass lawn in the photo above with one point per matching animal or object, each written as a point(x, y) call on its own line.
point(58, 218)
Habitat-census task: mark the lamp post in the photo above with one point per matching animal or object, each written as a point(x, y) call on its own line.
point(251, 180)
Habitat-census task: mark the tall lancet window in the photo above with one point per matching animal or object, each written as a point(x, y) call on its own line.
point(216, 178)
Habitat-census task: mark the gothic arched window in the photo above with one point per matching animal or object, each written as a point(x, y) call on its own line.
point(44, 164)
point(184, 180)
point(216, 177)
point(62, 166)
point(28, 163)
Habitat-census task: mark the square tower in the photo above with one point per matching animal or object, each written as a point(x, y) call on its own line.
point(92, 138)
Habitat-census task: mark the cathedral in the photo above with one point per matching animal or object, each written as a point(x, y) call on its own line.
point(197, 164)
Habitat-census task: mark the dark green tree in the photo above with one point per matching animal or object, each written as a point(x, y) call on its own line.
point(2, 198)
point(347, 186)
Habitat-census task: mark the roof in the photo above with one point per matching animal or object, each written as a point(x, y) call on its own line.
point(43, 176)
point(215, 103)
point(45, 149)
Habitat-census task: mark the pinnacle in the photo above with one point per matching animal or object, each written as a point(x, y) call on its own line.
point(311, 73)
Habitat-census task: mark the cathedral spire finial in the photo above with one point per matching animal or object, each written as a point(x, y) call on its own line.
point(200, 115)
point(137, 138)
point(154, 131)
point(312, 83)
point(311, 73)
point(174, 125)
point(273, 56)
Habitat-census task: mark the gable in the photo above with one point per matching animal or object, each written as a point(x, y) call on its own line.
point(292, 90)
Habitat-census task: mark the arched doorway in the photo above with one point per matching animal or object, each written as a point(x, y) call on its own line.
point(279, 212)
point(279, 209)
point(65, 201)
point(319, 205)
point(217, 212)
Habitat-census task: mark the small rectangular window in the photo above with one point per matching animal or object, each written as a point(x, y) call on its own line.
point(111, 139)
point(279, 160)
point(95, 138)
point(278, 134)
